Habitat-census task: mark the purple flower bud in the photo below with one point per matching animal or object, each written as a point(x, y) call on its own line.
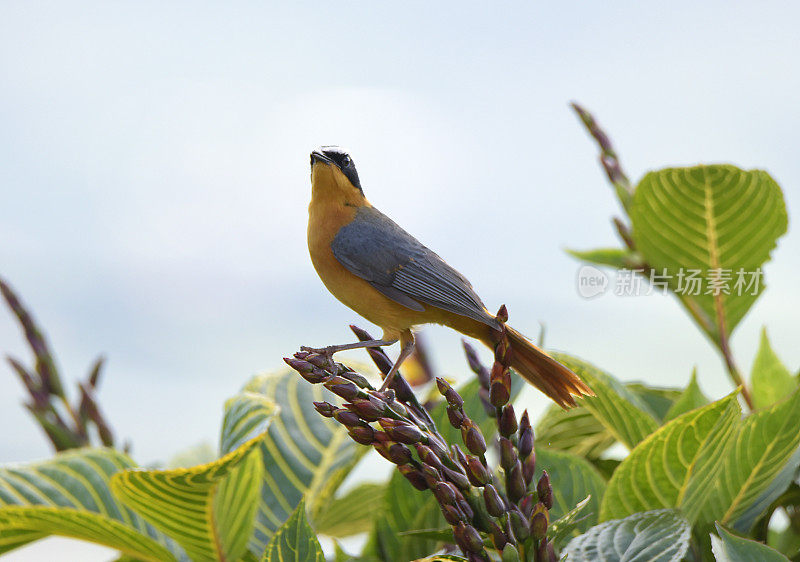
point(477, 472)
point(319, 360)
point(498, 536)
point(494, 504)
point(473, 438)
point(431, 475)
point(398, 408)
point(545, 490)
point(438, 446)
point(508, 454)
point(507, 424)
point(445, 493)
point(515, 484)
point(401, 431)
point(465, 508)
point(299, 365)
point(519, 525)
point(539, 521)
point(325, 409)
point(343, 388)
point(451, 514)
point(383, 449)
point(456, 417)
point(346, 417)
point(525, 443)
point(367, 409)
point(413, 475)
point(458, 478)
point(399, 453)
point(524, 422)
point(468, 539)
point(352, 376)
point(460, 456)
point(545, 551)
point(308, 371)
point(529, 468)
point(362, 434)
point(453, 398)
point(427, 456)
point(526, 504)
point(498, 394)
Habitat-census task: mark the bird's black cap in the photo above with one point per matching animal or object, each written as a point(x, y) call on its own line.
point(336, 156)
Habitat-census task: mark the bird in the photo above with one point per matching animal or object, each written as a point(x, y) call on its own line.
point(387, 276)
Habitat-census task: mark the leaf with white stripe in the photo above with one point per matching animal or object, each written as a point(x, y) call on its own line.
point(208, 509)
point(623, 412)
point(717, 219)
point(70, 495)
point(651, 536)
point(294, 541)
point(303, 453)
point(766, 442)
point(676, 466)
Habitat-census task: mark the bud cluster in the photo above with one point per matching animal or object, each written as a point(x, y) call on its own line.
point(506, 512)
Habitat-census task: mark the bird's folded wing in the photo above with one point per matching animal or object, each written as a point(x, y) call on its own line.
point(376, 249)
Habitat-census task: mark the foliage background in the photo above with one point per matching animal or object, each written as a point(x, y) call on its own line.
point(155, 178)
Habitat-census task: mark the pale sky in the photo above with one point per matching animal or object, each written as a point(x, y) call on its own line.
point(154, 178)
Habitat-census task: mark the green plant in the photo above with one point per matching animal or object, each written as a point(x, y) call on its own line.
point(702, 479)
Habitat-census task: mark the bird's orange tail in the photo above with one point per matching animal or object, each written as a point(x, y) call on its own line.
point(544, 372)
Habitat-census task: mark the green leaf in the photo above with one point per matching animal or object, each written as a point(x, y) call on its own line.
point(626, 416)
point(771, 380)
point(246, 415)
point(83, 525)
point(572, 478)
point(676, 466)
point(765, 442)
point(294, 540)
point(652, 536)
point(575, 430)
point(567, 526)
point(355, 512)
point(207, 509)
point(691, 399)
point(69, 495)
point(612, 257)
point(731, 548)
point(442, 558)
point(658, 399)
point(303, 454)
point(709, 218)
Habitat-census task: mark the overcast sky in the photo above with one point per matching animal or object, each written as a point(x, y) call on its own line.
point(154, 178)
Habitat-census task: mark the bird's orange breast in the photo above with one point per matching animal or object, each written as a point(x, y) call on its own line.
point(325, 218)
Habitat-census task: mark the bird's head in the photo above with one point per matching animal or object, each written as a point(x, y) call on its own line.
point(333, 174)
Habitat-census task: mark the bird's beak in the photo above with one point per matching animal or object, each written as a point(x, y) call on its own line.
point(319, 156)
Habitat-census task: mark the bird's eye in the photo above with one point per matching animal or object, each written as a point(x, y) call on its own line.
point(346, 161)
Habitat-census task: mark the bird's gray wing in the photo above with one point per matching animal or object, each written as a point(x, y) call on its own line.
point(376, 249)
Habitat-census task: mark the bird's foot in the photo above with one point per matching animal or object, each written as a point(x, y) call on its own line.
point(325, 351)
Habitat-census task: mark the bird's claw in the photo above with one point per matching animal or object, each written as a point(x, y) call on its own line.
point(326, 351)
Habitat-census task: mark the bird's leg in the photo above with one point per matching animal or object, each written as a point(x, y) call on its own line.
point(406, 349)
point(331, 349)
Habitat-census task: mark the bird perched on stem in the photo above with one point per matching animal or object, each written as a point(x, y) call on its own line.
point(384, 274)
